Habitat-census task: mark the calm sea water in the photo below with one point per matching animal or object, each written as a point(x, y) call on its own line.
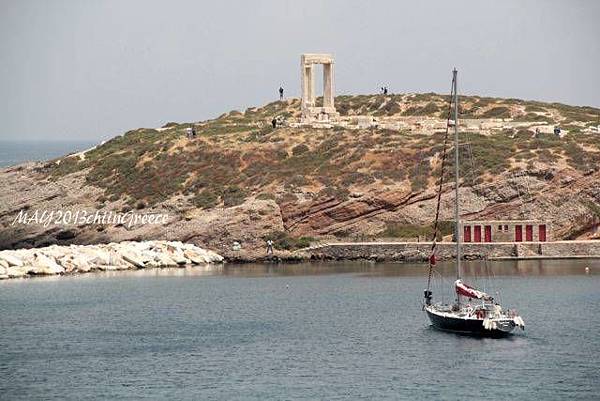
point(15, 152)
point(307, 331)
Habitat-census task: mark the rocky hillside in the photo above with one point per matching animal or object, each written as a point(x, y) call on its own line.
point(242, 180)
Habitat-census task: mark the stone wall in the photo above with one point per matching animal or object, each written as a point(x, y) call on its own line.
point(419, 251)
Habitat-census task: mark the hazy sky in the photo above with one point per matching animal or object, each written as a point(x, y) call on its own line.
point(94, 69)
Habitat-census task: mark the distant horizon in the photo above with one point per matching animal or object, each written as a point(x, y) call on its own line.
point(92, 70)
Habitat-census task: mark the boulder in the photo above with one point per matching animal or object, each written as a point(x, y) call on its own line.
point(56, 259)
point(133, 258)
point(83, 267)
point(11, 260)
point(165, 261)
point(68, 263)
point(17, 271)
point(195, 257)
point(95, 255)
point(43, 264)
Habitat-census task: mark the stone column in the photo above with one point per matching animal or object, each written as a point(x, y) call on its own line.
point(308, 86)
point(303, 83)
point(311, 84)
point(328, 85)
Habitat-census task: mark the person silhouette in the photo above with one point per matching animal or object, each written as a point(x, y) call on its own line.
point(280, 93)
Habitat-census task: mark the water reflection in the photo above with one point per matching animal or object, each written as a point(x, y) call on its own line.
point(365, 268)
point(361, 268)
point(469, 268)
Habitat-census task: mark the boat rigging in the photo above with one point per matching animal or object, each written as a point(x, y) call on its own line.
point(487, 318)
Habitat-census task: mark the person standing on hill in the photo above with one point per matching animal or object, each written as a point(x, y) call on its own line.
point(280, 93)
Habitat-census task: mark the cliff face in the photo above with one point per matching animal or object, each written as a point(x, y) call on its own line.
point(241, 180)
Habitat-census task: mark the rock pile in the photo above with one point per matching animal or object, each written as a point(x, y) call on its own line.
point(114, 256)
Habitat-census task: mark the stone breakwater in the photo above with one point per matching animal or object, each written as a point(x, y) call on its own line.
point(73, 259)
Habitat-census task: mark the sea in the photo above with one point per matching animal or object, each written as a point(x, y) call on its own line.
point(16, 152)
point(307, 331)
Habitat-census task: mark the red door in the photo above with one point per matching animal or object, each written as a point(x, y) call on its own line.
point(467, 233)
point(487, 234)
point(518, 233)
point(528, 233)
point(542, 232)
point(477, 234)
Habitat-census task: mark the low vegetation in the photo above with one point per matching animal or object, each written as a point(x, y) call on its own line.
point(283, 241)
point(240, 154)
point(411, 231)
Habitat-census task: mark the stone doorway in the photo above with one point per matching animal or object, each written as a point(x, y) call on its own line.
point(310, 110)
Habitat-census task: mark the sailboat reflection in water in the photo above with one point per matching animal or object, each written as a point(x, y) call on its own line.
point(484, 318)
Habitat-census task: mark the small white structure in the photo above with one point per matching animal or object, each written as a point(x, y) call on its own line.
point(310, 111)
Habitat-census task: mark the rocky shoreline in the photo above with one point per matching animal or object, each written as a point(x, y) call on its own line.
point(128, 255)
point(131, 255)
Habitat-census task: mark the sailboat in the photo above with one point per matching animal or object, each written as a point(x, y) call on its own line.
point(473, 312)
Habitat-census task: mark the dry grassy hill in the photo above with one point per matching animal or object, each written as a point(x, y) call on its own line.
point(240, 179)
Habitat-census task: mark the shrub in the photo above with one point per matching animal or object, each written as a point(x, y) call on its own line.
point(282, 240)
point(356, 178)
point(497, 112)
point(399, 230)
point(579, 158)
point(593, 207)
point(533, 109)
point(205, 199)
point(66, 166)
point(297, 180)
point(429, 109)
point(338, 193)
point(546, 155)
point(418, 182)
point(299, 149)
point(233, 196)
point(389, 109)
point(265, 196)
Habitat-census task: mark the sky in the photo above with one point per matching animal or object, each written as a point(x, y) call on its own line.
point(90, 70)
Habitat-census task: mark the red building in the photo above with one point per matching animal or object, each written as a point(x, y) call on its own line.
point(505, 231)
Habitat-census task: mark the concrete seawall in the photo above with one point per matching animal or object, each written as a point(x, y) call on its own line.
point(416, 251)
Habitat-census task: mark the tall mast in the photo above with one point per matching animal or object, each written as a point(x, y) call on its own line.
point(456, 176)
